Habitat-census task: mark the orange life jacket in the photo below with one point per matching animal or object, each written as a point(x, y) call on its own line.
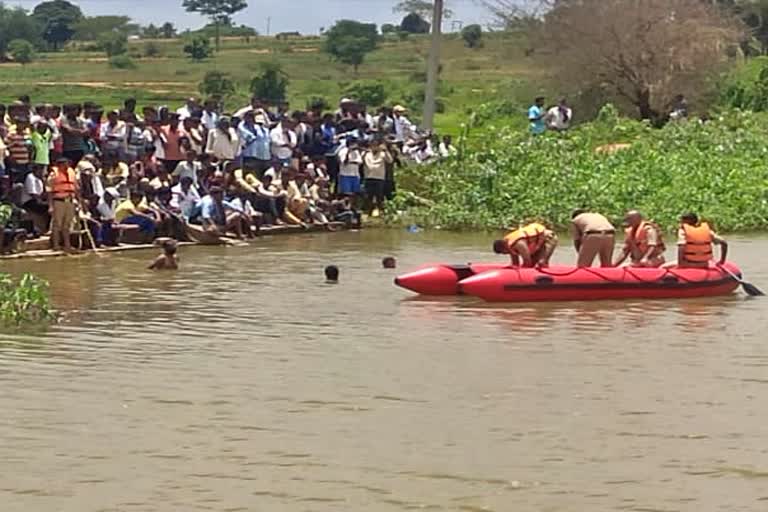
point(533, 234)
point(698, 243)
point(640, 237)
point(63, 183)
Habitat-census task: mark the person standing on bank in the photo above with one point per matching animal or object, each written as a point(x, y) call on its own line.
point(536, 115)
point(593, 235)
point(64, 191)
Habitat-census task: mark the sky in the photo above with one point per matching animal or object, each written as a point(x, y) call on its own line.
point(305, 16)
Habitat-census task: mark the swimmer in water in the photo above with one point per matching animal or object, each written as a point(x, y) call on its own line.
point(168, 260)
point(331, 274)
point(389, 262)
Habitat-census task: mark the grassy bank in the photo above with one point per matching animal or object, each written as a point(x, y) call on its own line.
point(505, 176)
point(469, 76)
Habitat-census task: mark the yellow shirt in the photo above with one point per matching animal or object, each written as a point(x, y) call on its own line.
point(126, 209)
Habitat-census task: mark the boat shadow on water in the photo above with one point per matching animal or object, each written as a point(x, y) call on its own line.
point(686, 315)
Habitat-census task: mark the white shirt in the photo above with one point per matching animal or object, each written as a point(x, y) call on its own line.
point(403, 128)
point(186, 169)
point(221, 146)
point(184, 112)
point(350, 162)
point(446, 151)
point(186, 202)
point(209, 120)
point(556, 120)
point(281, 137)
point(32, 185)
point(376, 164)
point(106, 211)
point(113, 137)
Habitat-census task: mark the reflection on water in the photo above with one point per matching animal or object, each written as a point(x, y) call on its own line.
point(245, 383)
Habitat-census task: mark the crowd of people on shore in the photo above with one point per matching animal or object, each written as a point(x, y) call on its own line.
point(594, 237)
point(175, 172)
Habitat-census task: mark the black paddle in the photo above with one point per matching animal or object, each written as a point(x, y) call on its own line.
point(749, 288)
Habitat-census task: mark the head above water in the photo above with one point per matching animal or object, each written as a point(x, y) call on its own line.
point(170, 247)
point(332, 273)
point(389, 262)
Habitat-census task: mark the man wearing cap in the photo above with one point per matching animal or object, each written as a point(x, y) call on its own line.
point(256, 141)
point(64, 191)
point(403, 126)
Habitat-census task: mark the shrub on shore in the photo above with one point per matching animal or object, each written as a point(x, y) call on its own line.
point(24, 301)
point(717, 168)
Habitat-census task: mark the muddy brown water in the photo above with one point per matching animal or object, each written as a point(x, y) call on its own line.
point(244, 382)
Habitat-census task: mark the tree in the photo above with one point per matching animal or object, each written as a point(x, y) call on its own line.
point(168, 31)
point(644, 53)
point(113, 43)
point(198, 48)
point(22, 51)
point(217, 84)
point(388, 28)
point(371, 93)
point(423, 8)
point(15, 24)
point(350, 41)
point(90, 27)
point(473, 36)
point(58, 19)
point(271, 84)
point(414, 24)
point(219, 11)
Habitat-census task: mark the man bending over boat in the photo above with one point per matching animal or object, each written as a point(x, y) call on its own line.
point(530, 246)
point(643, 242)
point(695, 240)
point(593, 236)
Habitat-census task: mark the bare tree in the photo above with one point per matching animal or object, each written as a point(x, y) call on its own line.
point(643, 51)
point(517, 13)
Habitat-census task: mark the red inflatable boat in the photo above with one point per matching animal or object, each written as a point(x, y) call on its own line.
point(580, 284)
point(442, 279)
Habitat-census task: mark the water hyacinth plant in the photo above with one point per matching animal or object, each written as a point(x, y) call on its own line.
point(24, 302)
point(717, 168)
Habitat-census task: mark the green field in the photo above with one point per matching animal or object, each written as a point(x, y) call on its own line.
point(499, 70)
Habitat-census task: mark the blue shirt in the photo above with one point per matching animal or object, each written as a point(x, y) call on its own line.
point(537, 126)
point(256, 141)
point(211, 213)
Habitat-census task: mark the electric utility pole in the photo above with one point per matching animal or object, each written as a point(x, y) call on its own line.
point(433, 69)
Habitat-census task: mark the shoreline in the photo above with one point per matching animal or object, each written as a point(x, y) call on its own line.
point(284, 230)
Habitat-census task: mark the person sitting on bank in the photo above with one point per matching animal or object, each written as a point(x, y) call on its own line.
point(168, 260)
point(217, 216)
point(136, 211)
point(593, 236)
point(694, 243)
point(64, 191)
point(643, 242)
point(529, 246)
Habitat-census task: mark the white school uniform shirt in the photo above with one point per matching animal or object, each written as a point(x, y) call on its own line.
point(209, 120)
point(106, 211)
point(32, 185)
point(350, 159)
point(403, 128)
point(280, 137)
point(221, 146)
point(186, 202)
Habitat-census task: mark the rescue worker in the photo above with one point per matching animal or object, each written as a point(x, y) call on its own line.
point(529, 246)
point(643, 242)
point(694, 243)
point(593, 235)
point(64, 191)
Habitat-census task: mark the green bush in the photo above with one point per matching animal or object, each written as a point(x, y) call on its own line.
point(122, 62)
point(113, 43)
point(22, 51)
point(152, 49)
point(369, 92)
point(217, 84)
point(24, 301)
point(198, 48)
point(473, 36)
point(506, 176)
point(271, 84)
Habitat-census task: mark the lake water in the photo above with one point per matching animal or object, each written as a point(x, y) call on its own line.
point(244, 383)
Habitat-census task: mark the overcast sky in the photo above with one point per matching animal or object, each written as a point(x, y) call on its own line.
point(306, 16)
